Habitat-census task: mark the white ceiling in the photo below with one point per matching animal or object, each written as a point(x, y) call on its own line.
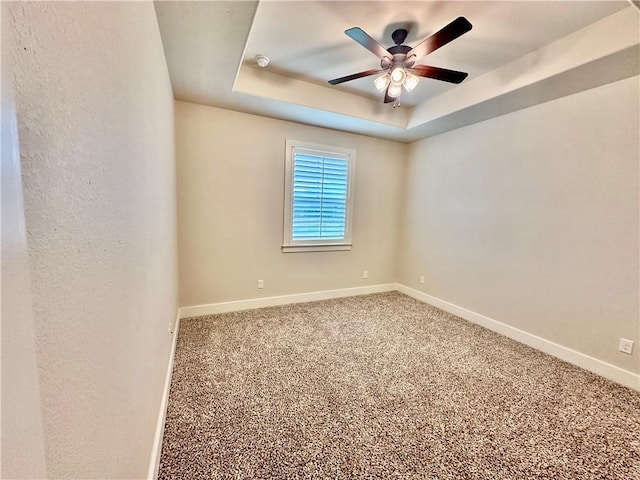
point(517, 54)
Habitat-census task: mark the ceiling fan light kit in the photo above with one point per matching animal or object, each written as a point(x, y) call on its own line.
point(398, 74)
point(382, 82)
point(398, 62)
point(410, 82)
point(394, 90)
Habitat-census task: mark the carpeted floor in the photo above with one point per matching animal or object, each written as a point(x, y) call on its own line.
point(384, 386)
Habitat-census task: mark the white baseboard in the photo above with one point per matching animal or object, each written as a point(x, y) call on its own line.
point(599, 367)
point(604, 369)
point(154, 462)
point(213, 308)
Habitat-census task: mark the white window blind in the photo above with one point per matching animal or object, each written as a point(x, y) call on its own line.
point(319, 196)
point(317, 201)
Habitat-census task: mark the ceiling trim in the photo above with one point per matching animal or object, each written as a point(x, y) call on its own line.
point(263, 83)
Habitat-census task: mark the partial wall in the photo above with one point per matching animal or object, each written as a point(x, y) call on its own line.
point(230, 203)
point(22, 440)
point(95, 117)
point(531, 219)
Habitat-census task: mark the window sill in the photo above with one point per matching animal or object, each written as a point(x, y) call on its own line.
point(315, 248)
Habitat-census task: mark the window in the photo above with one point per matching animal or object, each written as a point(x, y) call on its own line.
point(317, 201)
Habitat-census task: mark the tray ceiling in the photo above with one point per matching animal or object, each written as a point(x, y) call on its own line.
point(517, 54)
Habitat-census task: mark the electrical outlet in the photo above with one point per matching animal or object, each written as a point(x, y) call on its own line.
point(421, 278)
point(625, 346)
point(260, 283)
point(365, 274)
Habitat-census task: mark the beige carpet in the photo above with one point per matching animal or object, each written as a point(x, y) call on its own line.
point(383, 386)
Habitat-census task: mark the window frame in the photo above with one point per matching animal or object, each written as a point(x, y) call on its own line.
point(316, 245)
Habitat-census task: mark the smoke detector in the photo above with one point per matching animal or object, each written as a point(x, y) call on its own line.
point(262, 60)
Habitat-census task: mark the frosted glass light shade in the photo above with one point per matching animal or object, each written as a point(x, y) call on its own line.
point(381, 82)
point(394, 90)
point(398, 75)
point(411, 81)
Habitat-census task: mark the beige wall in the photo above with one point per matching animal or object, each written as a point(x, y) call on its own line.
point(230, 204)
point(531, 219)
point(95, 117)
point(22, 442)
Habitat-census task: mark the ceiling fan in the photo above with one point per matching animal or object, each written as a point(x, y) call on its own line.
point(398, 63)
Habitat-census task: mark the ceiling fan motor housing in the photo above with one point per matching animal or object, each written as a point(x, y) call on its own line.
point(399, 54)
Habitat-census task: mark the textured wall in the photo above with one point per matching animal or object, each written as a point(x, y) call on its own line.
point(95, 113)
point(532, 219)
point(22, 446)
point(230, 204)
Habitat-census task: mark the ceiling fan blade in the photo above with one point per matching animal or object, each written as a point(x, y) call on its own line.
point(367, 42)
point(445, 35)
point(451, 76)
point(387, 98)
point(366, 73)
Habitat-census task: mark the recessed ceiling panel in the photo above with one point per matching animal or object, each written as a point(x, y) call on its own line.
point(306, 40)
point(517, 54)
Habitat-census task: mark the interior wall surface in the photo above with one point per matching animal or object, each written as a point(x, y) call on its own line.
point(95, 117)
point(531, 219)
point(22, 443)
point(231, 170)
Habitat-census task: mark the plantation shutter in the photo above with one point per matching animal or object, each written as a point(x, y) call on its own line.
point(320, 194)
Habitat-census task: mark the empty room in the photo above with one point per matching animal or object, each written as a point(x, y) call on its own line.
point(320, 239)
